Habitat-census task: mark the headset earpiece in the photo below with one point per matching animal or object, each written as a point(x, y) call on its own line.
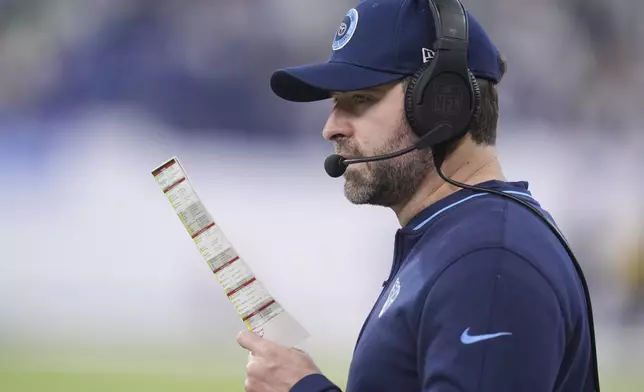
point(441, 100)
point(443, 97)
point(410, 111)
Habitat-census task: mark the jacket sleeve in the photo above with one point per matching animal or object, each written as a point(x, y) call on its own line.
point(315, 383)
point(490, 323)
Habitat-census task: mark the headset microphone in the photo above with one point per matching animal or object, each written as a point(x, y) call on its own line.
point(335, 165)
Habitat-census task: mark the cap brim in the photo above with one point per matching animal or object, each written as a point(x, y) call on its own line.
point(316, 82)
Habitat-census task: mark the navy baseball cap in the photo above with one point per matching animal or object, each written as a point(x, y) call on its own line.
point(378, 42)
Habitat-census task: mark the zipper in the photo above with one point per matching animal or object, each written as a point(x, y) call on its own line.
point(395, 267)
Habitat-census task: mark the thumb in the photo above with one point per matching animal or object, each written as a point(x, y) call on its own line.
point(252, 342)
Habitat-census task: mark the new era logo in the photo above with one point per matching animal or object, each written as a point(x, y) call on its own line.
point(427, 55)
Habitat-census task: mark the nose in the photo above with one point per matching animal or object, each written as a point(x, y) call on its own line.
point(336, 126)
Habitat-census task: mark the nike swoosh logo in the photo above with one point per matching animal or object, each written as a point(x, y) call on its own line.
point(466, 338)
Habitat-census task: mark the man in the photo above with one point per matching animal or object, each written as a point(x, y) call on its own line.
point(481, 295)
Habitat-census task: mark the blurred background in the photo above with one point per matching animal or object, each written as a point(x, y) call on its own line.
point(102, 289)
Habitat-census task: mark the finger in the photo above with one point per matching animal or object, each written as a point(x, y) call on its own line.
point(253, 359)
point(254, 368)
point(251, 342)
point(251, 385)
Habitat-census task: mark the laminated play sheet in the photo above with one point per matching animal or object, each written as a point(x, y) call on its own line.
point(255, 305)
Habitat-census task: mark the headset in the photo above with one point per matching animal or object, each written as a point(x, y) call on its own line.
point(442, 99)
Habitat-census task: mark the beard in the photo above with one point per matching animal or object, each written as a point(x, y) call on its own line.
point(388, 182)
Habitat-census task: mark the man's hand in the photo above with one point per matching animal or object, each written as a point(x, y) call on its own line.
point(271, 367)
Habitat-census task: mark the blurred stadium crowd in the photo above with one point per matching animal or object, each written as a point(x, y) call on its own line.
point(204, 64)
point(572, 98)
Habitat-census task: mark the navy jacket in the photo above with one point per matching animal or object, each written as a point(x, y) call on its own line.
point(481, 297)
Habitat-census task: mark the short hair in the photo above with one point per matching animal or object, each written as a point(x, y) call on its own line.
point(483, 127)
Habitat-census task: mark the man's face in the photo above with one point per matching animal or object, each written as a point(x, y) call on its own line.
point(372, 122)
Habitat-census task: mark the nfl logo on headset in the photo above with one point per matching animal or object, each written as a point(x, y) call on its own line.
point(447, 99)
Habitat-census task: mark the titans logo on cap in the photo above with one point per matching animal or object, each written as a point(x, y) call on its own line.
point(346, 29)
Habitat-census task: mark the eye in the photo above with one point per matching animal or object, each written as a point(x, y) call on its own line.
point(353, 101)
point(359, 99)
